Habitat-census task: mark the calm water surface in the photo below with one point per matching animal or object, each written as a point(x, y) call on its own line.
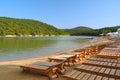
point(17, 48)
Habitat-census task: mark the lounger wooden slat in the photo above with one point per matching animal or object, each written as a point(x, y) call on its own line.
point(99, 70)
point(80, 75)
point(78, 56)
point(107, 56)
point(98, 78)
point(57, 59)
point(51, 69)
point(28, 67)
point(112, 79)
point(46, 63)
point(48, 71)
point(72, 75)
point(102, 64)
point(59, 65)
point(105, 60)
point(86, 76)
point(109, 53)
point(118, 73)
point(107, 71)
point(92, 77)
point(102, 70)
point(105, 78)
point(112, 71)
point(64, 57)
point(118, 65)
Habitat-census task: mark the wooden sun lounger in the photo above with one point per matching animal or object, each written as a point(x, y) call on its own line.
point(102, 64)
point(112, 53)
point(79, 75)
point(102, 71)
point(64, 57)
point(49, 69)
point(107, 55)
point(84, 53)
point(78, 56)
point(112, 49)
point(60, 65)
point(105, 60)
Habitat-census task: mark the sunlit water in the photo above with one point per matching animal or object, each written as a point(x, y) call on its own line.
point(18, 48)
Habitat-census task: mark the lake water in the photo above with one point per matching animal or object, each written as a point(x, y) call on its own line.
point(22, 47)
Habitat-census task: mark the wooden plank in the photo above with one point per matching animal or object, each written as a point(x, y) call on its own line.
point(105, 63)
point(80, 76)
point(112, 71)
point(46, 63)
point(118, 65)
point(87, 75)
point(89, 68)
point(77, 73)
point(113, 79)
point(109, 64)
point(113, 64)
point(104, 60)
point(105, 78)
point(102, 70)
point(80, 66)
point(97, 69)
point(97, 62)
point(93, 68)
point(98, 78)
point(107, 71)
point(102, 63)
point(85, 67)
point(70, 73)
point(117, 72)
point(35, 66)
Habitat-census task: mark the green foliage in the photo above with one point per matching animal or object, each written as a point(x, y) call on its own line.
point(12, 26)
point(108, 29)
point(81, 30)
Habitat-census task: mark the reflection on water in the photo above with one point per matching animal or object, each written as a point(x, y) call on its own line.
point(15, 48)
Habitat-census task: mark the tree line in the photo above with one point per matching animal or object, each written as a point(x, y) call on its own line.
point(13, 26)
point(82, 30)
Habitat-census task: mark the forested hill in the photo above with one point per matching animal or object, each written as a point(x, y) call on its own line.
point(14, 26)
point(82, 30)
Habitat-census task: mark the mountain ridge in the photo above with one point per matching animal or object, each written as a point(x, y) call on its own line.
point(17, 26)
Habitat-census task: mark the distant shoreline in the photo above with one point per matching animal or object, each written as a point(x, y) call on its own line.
point(31, 35)
point(44, 36)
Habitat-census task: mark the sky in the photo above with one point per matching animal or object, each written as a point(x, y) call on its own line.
point(65, 13)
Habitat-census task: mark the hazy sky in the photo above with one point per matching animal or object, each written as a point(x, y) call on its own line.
point(65, 13)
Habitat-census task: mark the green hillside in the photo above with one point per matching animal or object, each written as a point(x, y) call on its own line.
point(81, 30)
point(14, 26)
point(108, 29)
